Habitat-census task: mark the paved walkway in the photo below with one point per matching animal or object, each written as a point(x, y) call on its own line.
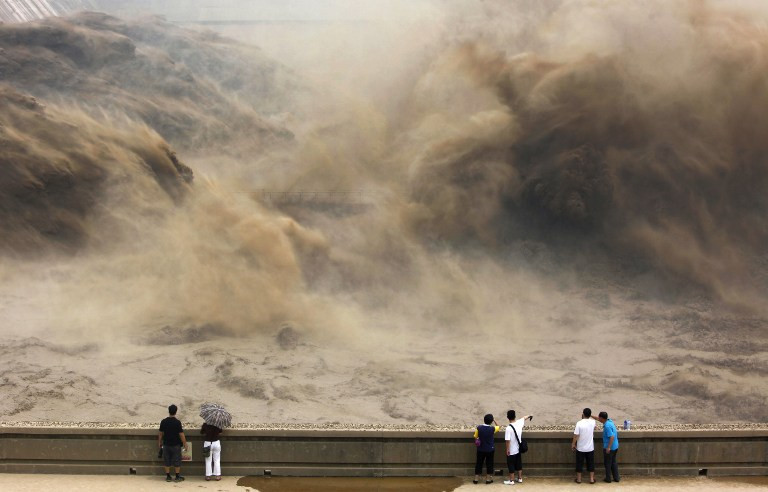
point(128, 483)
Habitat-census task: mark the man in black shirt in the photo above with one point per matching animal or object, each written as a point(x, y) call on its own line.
point(170, 439)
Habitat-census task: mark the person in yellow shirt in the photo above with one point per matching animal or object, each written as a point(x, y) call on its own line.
point(484, 441)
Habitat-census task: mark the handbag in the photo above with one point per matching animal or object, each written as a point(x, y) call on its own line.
point(521, 442)
point(207, 451)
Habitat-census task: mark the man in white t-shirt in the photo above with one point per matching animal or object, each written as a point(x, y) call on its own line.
point(584, 445)
point(512, 436)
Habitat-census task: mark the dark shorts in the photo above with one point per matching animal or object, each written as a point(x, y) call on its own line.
point(589, 456)
point(515, 462)
point(172, 455)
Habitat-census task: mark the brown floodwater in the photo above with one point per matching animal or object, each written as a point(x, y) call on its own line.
point(334, 484)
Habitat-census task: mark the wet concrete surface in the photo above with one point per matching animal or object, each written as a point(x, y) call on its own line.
point(629, 484)
point(350, 484)
point(761, 481)
point(13, 482)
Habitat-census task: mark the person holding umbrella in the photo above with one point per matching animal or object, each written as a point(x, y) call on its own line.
point(215, 418)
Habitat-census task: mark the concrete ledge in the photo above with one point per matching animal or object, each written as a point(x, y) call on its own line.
point(374, 453)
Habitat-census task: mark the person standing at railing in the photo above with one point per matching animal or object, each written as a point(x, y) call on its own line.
point(514, 438)
point(213, 456)
point(610, 447)
point(584, 445)
point(171, 439)
point(485, 448)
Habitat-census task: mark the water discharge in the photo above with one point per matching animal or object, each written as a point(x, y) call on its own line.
point(569, 195)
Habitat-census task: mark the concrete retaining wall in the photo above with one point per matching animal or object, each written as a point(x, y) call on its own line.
point(373, 453)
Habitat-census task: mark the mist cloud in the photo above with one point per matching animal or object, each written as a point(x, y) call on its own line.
point(542, 171)
point(646, 148)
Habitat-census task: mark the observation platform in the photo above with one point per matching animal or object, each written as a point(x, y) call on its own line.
point(134, 483)
point(95, 449)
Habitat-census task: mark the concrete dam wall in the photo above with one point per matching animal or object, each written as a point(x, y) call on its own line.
point(373, 453)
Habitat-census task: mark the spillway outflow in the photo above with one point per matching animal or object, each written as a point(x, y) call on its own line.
point(29, 10)
point(365, 218)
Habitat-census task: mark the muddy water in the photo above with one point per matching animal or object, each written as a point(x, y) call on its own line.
point(340, 484)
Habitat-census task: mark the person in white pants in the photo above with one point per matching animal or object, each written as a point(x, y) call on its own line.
point(213, 460)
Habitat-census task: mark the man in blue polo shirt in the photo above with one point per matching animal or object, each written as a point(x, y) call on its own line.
point(610, 447)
